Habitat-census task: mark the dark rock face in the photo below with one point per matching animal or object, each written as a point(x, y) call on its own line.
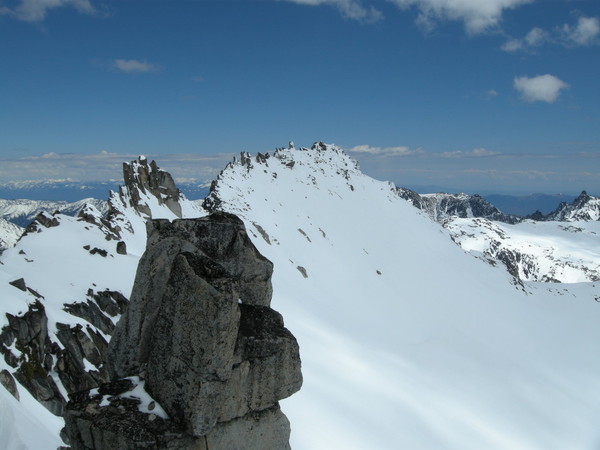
point(7, 380)
point(217, 249)
point(141, 179)
point(29, 335)
point(37, 356)
point(200, 333)
point(584, 207)
point(442, 206)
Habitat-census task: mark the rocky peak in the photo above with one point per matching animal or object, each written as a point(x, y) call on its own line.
point(325, 162)
point(584, 207)
point(146, 184)
point(440, 207)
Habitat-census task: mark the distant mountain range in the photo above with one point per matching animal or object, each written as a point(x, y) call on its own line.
point(72, 191)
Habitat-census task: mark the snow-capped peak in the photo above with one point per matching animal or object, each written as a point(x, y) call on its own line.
point(584, 207)
point(323, 166)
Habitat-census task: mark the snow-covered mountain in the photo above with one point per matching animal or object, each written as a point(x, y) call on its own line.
point(406, 340)
point(22, 211)
point(585, 207)
point(545, 249)
point(563, 252)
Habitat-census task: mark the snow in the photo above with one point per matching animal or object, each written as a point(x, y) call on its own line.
point(147, 404)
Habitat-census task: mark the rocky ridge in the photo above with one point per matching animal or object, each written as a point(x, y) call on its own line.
point(441, 206)
point(585, 207)
point(479, 227)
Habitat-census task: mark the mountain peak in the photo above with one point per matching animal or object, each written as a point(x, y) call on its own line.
point(322, 166)
point(584, 207)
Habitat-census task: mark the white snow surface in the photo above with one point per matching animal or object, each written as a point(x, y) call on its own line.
point(440, 350)
point(407, 341)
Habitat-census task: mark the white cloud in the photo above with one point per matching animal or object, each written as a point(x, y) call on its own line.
point(134, 66)
point(478, 16)
point(491, 93)
point(535, 38)
point(543, 88)
point(36, 10)
point(351, 9)
point(386, 151)
point(586, 31)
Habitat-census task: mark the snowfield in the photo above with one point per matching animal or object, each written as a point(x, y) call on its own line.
point(407, 341)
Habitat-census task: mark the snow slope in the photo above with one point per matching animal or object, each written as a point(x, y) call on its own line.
point(407, 341)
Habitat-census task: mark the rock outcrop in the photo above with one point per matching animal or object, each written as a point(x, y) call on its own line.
point(146, 182)
point(200, 334)
point(441, 207)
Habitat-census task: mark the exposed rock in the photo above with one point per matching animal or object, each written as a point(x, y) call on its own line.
point(441, 207)
point(584, 207)
point(121, 248)
point(107, 419)
point(216, 246)
point(143, 179)
point(19, 284)
point(28, 334)
point(200, 332)
point(7, 380)
point(90, 214)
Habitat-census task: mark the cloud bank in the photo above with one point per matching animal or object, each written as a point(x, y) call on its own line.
point(476, 171)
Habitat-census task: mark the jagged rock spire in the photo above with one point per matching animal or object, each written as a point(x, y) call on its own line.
point(145, 181)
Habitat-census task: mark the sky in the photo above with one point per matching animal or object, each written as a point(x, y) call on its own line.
point(487, 96)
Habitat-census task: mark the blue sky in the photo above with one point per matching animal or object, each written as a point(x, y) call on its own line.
point(475, 95)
